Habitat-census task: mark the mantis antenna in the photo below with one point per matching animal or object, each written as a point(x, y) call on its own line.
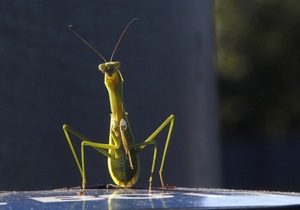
point(113, 53)
point(70, 27)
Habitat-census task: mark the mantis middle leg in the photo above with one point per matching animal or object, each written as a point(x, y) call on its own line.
point(85, 142)
point(150, 140)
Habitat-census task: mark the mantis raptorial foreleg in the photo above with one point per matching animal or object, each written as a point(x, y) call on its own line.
point(151, 140)
point(85, 142)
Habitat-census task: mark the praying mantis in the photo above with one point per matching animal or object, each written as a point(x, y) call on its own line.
point(121, 151)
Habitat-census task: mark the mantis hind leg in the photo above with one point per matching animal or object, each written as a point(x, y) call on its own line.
point(150, 140)
point(85, 142)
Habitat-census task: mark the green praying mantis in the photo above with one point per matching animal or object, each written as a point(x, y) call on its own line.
point(121, 151)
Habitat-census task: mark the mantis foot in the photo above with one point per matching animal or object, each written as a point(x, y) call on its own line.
point(81, 192)
point(169, 187)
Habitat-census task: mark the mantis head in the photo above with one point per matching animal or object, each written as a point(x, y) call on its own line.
point(109, 67)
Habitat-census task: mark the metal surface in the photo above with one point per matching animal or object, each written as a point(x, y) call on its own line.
point(181, 198)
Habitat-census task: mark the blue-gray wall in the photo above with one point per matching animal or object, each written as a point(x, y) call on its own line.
point(49, 77)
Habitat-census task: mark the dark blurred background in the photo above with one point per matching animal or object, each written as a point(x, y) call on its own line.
point(227, 70)
point(258, 59)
